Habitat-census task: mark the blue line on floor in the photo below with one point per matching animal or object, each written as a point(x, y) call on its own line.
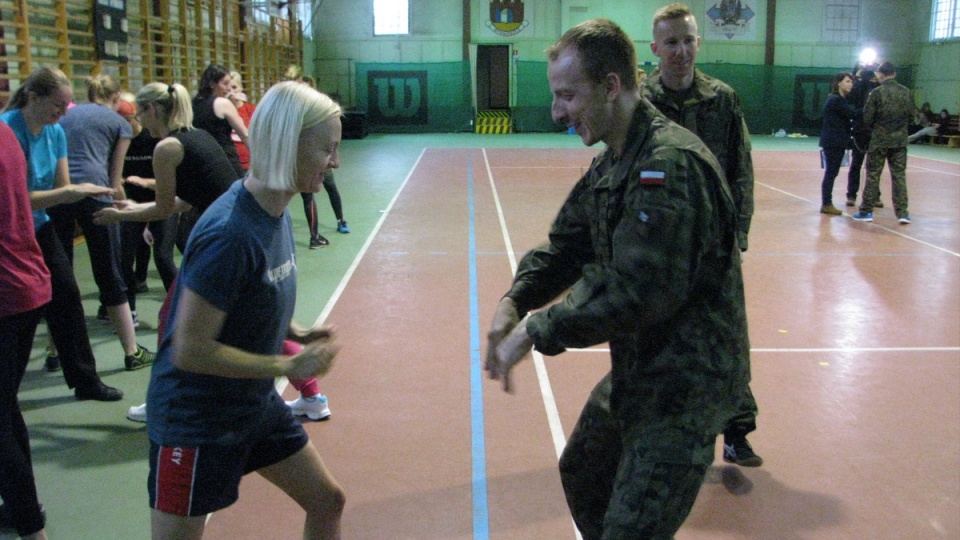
point(481, 523)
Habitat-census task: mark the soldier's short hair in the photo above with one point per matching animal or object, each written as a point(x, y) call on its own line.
point(887, 68)
point(670, 12)
point(603, 47)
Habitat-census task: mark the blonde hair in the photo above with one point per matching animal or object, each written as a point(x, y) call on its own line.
point(293, 73)
point(102, 88)
point(285, 111)
point(670, 12)
point(235, 76)
point(172, 102)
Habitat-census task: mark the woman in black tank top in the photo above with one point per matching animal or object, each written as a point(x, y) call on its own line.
point(215, 113)
point(190, 168)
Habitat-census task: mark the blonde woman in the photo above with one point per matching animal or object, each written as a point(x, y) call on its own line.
point(190, 168)
point(317, 240)
point(97, 141)
point(213, 410)
point(245, 110)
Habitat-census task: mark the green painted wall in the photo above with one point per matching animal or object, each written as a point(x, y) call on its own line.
point(898, 29)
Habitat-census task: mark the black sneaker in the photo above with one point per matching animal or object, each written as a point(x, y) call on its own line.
point(52, 363)
point(141, 287)
point(102, 314)
point(140, 359)
point(98, 392)
point(318, 242)
point(737, 450)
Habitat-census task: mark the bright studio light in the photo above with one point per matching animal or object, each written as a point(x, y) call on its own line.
point(867, 56)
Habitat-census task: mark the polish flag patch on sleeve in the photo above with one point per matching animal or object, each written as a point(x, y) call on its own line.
point(652, 178)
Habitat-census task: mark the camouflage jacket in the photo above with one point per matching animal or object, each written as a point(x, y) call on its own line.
point(646, 246)
point(888, 113)
point(714, 115)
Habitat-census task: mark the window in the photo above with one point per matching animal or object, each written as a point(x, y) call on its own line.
point(946, 19)
point(306, 10)
point(391, 17)
point(286, 9)
point(841, 21)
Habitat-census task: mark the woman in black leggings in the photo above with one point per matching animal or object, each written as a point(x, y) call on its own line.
point(310, 209)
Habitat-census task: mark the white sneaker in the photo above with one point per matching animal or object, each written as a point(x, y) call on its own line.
point(138, 413)
point(313, 408)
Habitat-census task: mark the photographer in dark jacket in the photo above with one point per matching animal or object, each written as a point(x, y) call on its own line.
point(863, 83)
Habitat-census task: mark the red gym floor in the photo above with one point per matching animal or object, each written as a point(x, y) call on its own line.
point(856, 366)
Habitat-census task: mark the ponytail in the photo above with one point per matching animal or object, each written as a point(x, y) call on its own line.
point(171, 100)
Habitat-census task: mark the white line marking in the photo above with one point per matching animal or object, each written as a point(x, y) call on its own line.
point(933, 170)
point(873, 223)
point(549, 402)
point(281, 384)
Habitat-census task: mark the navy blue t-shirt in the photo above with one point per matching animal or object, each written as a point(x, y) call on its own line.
point(240, 259)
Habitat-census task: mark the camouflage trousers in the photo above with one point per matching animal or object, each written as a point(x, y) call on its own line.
point(897, 158)
point(612, 494)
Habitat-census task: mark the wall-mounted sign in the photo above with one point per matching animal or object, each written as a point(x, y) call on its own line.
point(110, 29)
point(731, 18)
point(397, 97)
point(506, 17)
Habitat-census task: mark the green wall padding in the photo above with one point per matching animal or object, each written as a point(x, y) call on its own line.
point(415, 98)
point(772, 97)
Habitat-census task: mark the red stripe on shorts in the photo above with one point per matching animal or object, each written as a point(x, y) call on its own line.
point(175, 472)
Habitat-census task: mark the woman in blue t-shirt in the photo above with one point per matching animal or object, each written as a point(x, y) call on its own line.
point(32, 113)
point(213, 412)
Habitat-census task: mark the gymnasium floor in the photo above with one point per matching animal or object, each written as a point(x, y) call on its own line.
point(855, 330)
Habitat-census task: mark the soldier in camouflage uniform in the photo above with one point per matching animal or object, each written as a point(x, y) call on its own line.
point(888, 113)
point(710, 109)
point(645, 246)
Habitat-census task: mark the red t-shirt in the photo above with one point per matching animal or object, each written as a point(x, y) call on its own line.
point(246, 113)
point(24, 278)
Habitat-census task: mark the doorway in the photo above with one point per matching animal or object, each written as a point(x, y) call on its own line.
point(493, 77)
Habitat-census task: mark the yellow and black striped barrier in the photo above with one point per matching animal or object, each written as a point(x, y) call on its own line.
point(493, 122)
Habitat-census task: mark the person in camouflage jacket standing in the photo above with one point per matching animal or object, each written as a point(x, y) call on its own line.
point(707, 107)
point(888, 113)
point(645, 249)
point(711, 110)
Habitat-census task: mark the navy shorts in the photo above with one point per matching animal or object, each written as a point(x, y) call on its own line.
point(195, 481)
